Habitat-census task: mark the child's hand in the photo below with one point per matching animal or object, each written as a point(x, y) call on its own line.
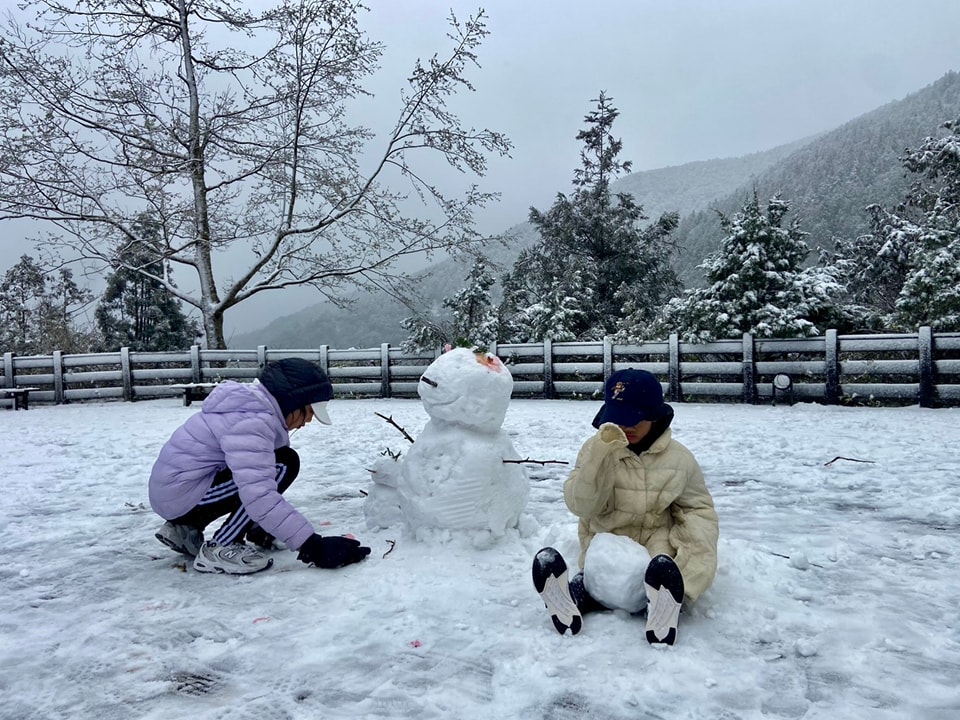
point(612, 435)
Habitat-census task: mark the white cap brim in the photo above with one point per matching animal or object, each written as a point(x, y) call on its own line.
point(320, 412)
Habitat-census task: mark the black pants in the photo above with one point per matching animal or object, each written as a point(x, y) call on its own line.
point(223, 498)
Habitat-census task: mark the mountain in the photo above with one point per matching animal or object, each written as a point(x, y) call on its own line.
point(829, 180)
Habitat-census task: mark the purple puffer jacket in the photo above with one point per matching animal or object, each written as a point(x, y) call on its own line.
point(239, 427)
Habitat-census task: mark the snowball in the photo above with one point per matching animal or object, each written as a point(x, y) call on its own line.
point(805, 648)
point(613, 571)
point(381, 509)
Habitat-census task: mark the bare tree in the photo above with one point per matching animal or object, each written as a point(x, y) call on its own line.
point(229, 128)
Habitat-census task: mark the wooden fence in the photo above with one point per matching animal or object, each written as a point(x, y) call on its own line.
point(918, 368)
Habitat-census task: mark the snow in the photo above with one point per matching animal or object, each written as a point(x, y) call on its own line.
point(836, 595)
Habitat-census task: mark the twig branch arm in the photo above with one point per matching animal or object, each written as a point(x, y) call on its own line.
point(393, 422)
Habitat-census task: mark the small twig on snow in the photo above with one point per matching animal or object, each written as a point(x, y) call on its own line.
point(392, 544)
point(393, 422)
point(840, 457)
point(787, 557)
point(538, 462)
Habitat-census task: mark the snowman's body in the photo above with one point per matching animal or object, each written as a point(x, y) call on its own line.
point(454, 476)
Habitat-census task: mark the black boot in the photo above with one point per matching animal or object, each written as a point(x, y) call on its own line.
point(586, 603)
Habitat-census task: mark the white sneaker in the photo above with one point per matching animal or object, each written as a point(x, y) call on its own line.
point(550, 580)
point(664, 584)
point(234, 559)
point(181, 538)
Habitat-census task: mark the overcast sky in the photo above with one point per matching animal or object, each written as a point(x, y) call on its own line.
point(693, 79)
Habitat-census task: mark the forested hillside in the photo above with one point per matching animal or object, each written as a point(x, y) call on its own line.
point(831, 180)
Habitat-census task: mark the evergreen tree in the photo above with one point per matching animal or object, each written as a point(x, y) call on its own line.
point(471, 320)
point(595, 233)
point(474, 317)
point(38, 311)
point(137, 311)
point(561, 314)
point(756, 282)
point(907, 272)
point(931, 291)
point(873, 268)
point(21, 292)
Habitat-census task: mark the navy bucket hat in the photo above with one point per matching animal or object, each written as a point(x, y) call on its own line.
point(630, 397)
point(295, 383)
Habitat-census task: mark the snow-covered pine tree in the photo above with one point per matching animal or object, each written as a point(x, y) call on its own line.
point(38, 311)
point(597, 233)
point(136, 311)
point(560, 315)
point(471, 320)
point(906, 273)
point(931, 290)
point(474, 315)
point(756, 282)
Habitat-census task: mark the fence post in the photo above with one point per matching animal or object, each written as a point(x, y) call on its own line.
point(8, 369)
point(261, 356)
point(548, 369)
point(673, 365)
point(195, 362)
point(58, 392)
point(325, 358)
point(607, 359)
point(125, 374)
point(928, 369)
point(749, 394)
point(831, 354)
point(385, 370)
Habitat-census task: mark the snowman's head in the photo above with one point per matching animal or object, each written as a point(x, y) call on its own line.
point(467, 388)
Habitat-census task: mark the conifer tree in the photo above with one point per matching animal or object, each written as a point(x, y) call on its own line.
point(595, 233)
point(474, 317)
point(137, 311)
point(470, 320)
point(906, 273)
point(38, 310)
point(931, 291)
point(756, 282)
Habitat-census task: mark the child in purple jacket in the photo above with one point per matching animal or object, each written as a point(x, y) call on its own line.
point(234, 458)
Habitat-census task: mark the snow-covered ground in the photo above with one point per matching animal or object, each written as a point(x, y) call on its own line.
point(837, 595)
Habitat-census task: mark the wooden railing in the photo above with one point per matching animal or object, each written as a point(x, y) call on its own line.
point(915, 368)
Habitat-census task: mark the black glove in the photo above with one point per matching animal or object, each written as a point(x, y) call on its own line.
point(260, 537)
point(331, 552)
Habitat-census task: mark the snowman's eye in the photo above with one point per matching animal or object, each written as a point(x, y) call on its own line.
point(428, 381)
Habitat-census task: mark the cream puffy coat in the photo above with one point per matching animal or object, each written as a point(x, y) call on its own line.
point(657, 498)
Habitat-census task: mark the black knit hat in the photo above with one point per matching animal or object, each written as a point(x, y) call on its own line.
point(295, 383)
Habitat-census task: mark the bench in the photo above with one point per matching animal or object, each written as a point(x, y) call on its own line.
point(20, 395)
point(194, 391)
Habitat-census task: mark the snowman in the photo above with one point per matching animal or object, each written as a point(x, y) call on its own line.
point(454, 476)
